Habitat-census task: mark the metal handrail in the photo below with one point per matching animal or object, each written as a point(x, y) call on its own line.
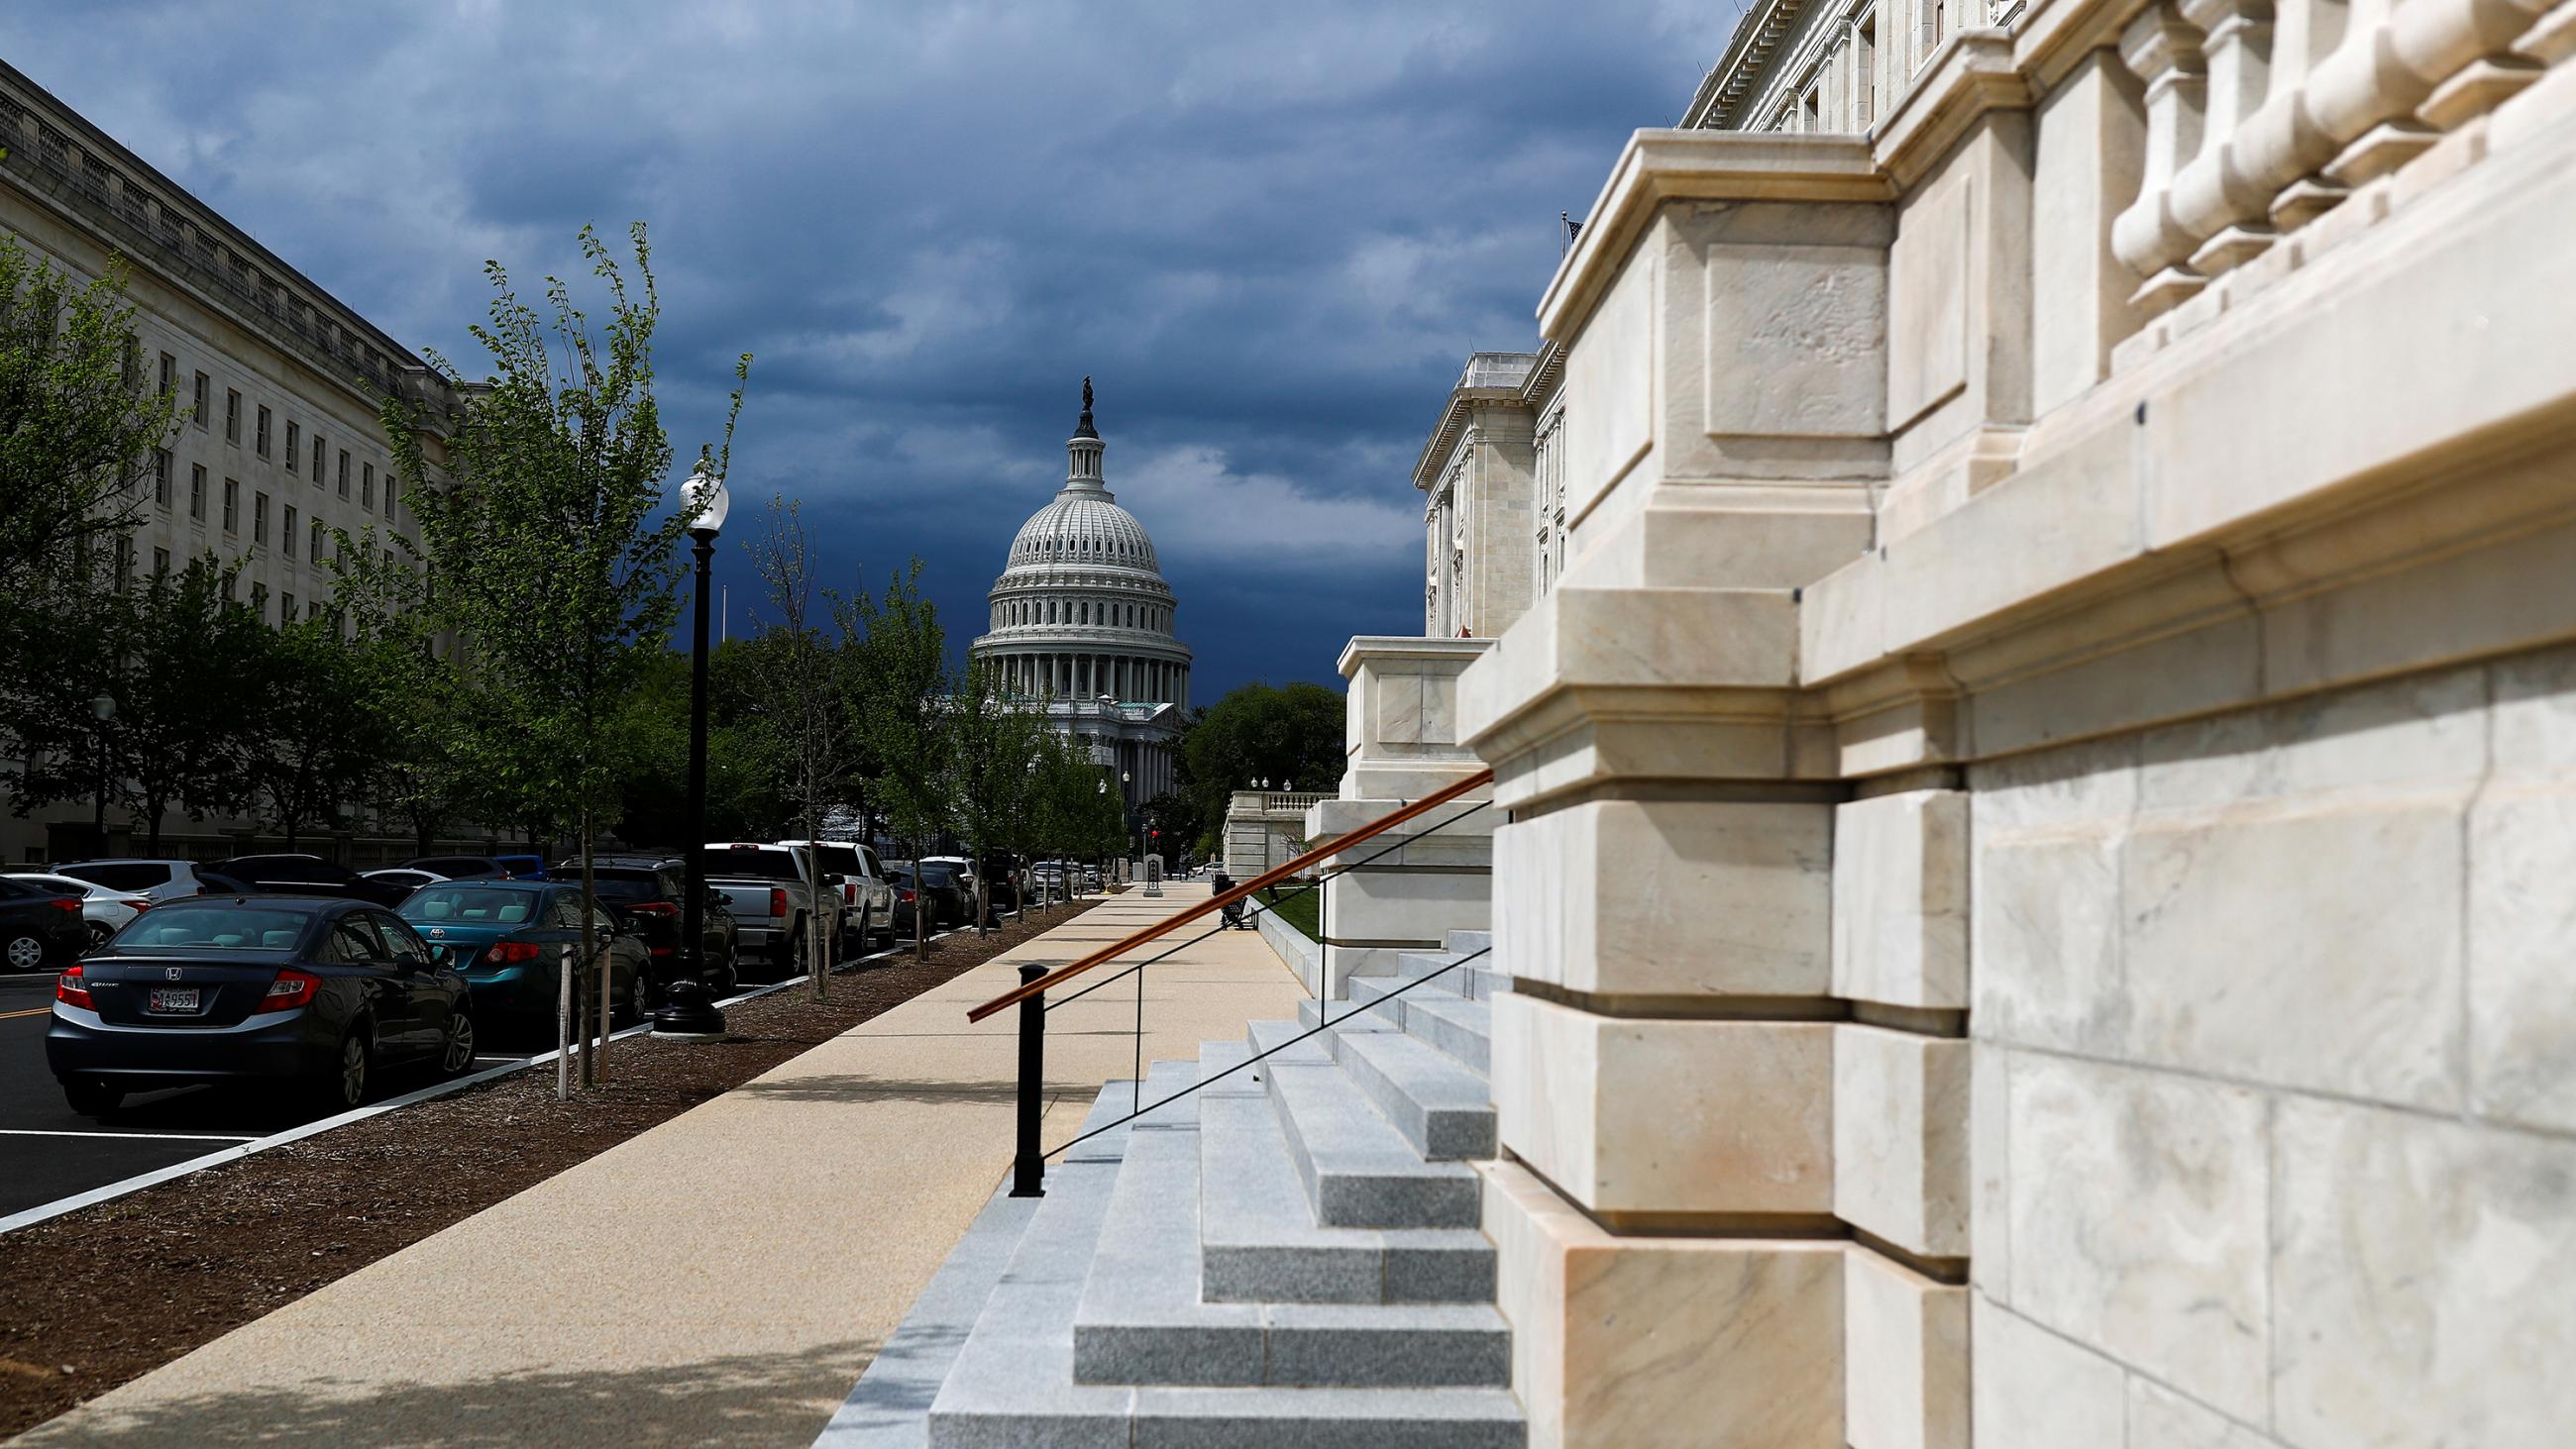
point(1244, 891)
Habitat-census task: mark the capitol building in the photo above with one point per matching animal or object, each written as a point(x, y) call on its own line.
point(1082, 620)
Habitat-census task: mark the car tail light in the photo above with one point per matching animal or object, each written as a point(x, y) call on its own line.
point(777, 901)
point(907, 898)
point(850, 893)
point(658, 910)
point(291, 989)
point(139, 904)
point(661, 950)
point(65, 903)
point(510, 953)
point(71, 989)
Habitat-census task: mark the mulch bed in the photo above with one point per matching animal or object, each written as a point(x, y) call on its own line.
point(94, 1298)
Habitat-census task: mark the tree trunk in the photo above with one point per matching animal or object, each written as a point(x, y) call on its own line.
point(818, 940)
point(920, 905)
point(594, 1063)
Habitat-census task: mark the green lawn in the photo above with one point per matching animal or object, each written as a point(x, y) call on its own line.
point(1297, 908)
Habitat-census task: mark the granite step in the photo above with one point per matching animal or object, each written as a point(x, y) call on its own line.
point(1344, 1015)
point(1458, 1026)
point(1258, 1238)
point(1442, 1108)
point(1474, 980)
point(1141, 1319)
point(1358, 1170)
point(1011, 1385)
point(1465, 941)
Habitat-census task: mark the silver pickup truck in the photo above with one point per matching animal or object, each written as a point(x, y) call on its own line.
point(772, 902)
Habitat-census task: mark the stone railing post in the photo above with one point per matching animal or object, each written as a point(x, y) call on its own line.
point(2213, 196)
point(2163, 51)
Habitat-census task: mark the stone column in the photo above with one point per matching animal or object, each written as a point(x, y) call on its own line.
point(1676, 1241)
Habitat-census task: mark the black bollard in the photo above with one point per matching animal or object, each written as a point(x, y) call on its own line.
point(1028, 1168)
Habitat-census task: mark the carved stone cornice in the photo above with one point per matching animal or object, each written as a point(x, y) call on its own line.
point(1663, 166)
point(1972, 74)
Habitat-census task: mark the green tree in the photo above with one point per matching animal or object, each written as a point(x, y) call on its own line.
point(994, 757)
point(899, 688)
point(552, 556)
point(1287, 734)
point(804, 660)
point(318, 736)
point(79, 420)
point(411, 688)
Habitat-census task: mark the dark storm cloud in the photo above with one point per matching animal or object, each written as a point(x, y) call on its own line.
point(1272, 232)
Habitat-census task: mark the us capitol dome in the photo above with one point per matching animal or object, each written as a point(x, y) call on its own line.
point(1082, 619)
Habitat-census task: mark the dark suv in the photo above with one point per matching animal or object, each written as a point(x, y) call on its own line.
point(308, 875)
point(645, 893)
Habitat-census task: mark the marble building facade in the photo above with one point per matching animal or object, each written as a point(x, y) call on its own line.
point(279, 384)
point(1082, 620)
point(2040, 785)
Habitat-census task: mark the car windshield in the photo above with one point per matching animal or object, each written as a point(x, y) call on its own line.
point(753, 864)
point(470, 905)
point(215, 926)
point(938, 875)
point(133, 876)
point(626, 885)
point(839, 859)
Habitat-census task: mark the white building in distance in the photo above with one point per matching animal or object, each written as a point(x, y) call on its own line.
point(1082, 619)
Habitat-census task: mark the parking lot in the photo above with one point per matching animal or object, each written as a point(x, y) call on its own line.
point(48, 1151)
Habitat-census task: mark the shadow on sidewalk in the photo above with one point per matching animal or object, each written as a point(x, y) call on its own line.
point(860, 1087)
point(739, 1399)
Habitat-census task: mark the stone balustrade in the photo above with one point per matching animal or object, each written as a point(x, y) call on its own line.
point(2263, 117)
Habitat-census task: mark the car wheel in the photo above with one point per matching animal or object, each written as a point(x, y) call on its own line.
point(24, 953)
point(99, 931)
point(793, 963)
point(456, 1052)
point(639, 1001)
point(91, 1097)
point(343, 1086)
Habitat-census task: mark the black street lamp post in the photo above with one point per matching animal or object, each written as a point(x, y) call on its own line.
point(105, 708)
point(688, 1011)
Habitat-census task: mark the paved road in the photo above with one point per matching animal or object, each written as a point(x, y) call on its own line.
point(47, 1151)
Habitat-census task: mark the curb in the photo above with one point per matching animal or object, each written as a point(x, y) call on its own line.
point(29, 1217)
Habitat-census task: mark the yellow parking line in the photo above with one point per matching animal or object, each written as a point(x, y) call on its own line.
point(30, 1011)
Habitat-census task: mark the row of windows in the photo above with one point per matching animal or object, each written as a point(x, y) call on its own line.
point(1058, 548)
point(258, 591)
point(161, 495)
point(1051, 611)
point(263, 435)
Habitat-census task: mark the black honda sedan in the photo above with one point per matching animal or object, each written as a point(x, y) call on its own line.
point(309, 992)
point(39, 927)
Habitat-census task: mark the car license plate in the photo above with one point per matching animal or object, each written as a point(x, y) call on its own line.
point(174, 998)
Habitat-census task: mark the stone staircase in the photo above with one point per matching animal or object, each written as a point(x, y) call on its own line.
point(1289, 1256)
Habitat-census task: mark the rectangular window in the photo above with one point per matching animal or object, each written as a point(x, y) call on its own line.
point(259, 518)
point(294, 448)
point(317, 460)
point(286, 531)
point(367, 485)
point(232, 505)
point(344, 472)
point(160, 561)
point(259, 602)
point(124, 563)
point(161, 476)
point(389, 493)
point(285, 609)
point(263, 432)
point(312, 611)
point(169, 374)
point(315, 552)
point(205, 398)
point(232, 417)
point(197, 491)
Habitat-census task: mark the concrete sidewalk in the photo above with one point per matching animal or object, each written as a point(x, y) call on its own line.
point(771, 1240)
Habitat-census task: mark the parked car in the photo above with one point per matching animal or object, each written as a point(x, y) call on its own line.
point(162, 880)
point(645, 894)
point(308, 875)
point(40, 926)
point(510, 939)
point(867, 900)
point(103, 911)
point(523, 867)
point(460, 867)
point(947, 895)
point(772, 901)
point(315, 992)
point(1091, 879)
point(405, 876)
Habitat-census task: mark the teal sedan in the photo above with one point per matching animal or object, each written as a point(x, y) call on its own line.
point(510, 938)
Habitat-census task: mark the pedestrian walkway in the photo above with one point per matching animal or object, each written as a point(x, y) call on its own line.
point(766, 1243)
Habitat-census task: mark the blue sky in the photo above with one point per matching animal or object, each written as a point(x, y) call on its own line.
point(1272, 233)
